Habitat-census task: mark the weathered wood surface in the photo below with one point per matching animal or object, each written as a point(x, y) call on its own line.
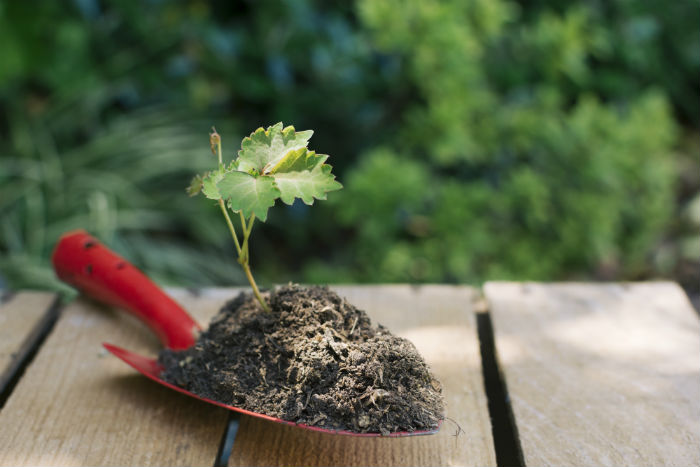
point(77, 405)
point(600, 374)
point(440, 321)
point(23, 318)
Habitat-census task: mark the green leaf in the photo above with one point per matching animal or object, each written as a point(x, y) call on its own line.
point(248, 193)
point(302, 174)
point(195, 186)
point(298, 160)
point(263, 149)
point(272, 163)
point(209, 184)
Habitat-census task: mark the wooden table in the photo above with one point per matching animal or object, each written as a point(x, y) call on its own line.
point(533, 374)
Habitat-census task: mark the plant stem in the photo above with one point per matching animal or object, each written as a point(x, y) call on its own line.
point(244, 245)
point(243, 255)
point(250, 225)
point(215, 140)
point(248, 274)
point(222, 205)
point(247, 227)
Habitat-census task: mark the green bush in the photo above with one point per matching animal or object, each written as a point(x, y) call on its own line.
point(508, 165)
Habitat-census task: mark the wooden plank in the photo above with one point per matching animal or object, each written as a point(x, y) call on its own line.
point(24, 318)
point(441, 323)
point(77, 405)
point(600, 374)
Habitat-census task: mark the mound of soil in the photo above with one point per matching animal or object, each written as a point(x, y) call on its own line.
point(315, 359)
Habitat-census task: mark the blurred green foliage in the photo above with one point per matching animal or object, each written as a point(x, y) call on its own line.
point(476, 140)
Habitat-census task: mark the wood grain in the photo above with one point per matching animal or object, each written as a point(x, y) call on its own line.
point(600, 374)
point(441, 323)
point(24, 317)
point(77, 405)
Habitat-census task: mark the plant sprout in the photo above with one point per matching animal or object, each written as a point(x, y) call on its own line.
point(272, 163)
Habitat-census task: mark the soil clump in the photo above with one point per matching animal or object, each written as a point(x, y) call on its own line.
point(315, 359)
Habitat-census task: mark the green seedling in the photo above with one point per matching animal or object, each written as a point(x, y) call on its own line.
point(272, 163)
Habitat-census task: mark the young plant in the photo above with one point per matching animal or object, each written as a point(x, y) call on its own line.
point(272, 163)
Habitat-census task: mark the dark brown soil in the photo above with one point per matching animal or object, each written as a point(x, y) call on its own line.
point(315, 359)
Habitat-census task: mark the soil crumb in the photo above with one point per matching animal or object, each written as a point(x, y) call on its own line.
point(315, 359)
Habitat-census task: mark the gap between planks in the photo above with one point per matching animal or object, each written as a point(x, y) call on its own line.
point(26, 318)
point(506, 439)
point(600, 374)
point(77, 405)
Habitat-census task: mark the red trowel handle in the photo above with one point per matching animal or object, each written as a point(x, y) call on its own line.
point(80, 260)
